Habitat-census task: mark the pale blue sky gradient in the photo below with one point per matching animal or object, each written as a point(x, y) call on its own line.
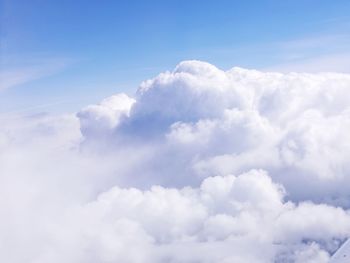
point(60, 55)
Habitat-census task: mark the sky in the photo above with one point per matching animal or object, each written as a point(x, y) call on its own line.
point(174, 131)
point(96, 48)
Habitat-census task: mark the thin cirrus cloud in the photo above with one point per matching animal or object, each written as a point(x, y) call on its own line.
point(323, 53)
point(201, 165)
point(338, 62)
point(14, 74)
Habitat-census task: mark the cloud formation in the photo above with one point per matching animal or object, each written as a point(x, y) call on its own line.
point(202, 165)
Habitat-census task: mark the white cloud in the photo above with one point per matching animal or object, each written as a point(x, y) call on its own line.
point(199, 121)
point(99, 119)
point(203, 165)
point(229, 218)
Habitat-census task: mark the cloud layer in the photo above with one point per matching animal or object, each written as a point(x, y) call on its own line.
point(202, 165)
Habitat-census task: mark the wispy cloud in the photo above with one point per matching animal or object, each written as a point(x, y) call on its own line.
point(313, 54)
point(339, 62)
point(14, 74)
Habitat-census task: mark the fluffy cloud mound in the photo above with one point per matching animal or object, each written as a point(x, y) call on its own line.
point(202, 165)
point(214, 122)
point(99, 119)
point(225, 219)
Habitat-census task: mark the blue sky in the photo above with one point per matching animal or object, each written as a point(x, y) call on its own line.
point(59, 55)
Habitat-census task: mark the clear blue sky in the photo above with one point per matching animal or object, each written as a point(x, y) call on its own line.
point(61, 55)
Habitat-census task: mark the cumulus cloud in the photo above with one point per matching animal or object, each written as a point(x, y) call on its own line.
point(202, 165)
point(207, 121)
point(99, 119)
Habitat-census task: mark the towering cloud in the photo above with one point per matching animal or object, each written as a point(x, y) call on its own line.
point(202, 165)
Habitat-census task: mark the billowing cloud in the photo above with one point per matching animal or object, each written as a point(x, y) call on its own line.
point(100, 119)
point(211, 122)
point(202, 165)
